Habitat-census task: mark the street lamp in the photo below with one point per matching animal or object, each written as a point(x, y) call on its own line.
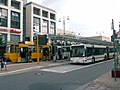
point(64, 22)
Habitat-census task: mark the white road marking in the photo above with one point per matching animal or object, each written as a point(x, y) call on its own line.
point(18, 71)
point(69, 68)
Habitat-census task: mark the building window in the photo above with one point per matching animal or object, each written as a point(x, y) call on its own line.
point(52, 28)
point(4, 2)
point(36, 24)
point(36, 11)
point(45, 14)
point(15, 20)
point(15, 4)
point(14, 38)
point(52, 16)
point(45, 27)
point(3, 17)
point(4, 38)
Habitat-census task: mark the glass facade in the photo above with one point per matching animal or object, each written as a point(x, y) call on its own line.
point(3, 17)
point(15, 20)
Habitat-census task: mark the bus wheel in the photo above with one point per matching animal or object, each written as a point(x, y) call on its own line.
point(93, 59)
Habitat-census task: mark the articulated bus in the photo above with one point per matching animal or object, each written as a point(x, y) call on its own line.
point(86, 53)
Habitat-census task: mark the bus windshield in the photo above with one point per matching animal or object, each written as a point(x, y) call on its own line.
point(77, 51)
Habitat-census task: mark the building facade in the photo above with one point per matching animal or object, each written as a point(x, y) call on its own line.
point(39, 20)
point(68, 33)
point(11, 20)
point(102, 38)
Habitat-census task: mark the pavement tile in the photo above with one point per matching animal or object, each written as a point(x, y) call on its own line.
point(104, 82)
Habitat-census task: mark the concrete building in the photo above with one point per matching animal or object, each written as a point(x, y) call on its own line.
point(102, 38)
point(39, 20)
point(61, 32)
point(11, 20)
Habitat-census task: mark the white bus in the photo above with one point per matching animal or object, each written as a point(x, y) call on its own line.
point(86, 53)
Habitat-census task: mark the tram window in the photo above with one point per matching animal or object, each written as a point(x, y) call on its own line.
point(11, 49)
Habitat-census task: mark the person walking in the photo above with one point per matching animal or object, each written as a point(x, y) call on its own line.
point(29, 55)
point(2, 65)
point(4, 62)
point(5, 65)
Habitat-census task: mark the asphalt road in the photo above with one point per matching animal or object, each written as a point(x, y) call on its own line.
point(48, 80)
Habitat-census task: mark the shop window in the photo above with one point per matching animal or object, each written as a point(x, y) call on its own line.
point(14, 38)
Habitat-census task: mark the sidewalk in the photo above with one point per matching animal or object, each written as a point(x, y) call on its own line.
point(104, 82)
point(22, 67)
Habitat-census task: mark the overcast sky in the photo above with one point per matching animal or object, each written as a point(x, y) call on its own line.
point(87, 17)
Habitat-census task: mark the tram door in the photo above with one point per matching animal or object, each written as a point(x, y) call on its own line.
point(24, 54)
point(46, 52)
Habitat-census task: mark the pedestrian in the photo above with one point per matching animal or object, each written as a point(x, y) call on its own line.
point(29, 54)
point(5, 65)
point(4, 62)
point(2, 65)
